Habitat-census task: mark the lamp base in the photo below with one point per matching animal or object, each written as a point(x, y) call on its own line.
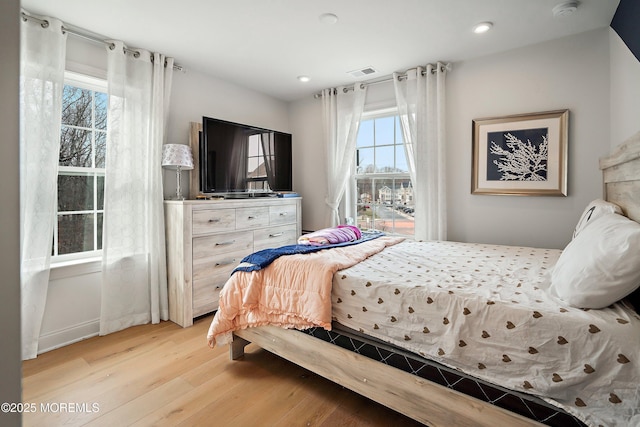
point(178, 182)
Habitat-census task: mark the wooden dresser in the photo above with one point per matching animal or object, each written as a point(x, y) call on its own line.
point(206, 239)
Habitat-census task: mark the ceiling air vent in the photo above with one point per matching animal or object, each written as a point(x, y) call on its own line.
point(363, 72)
point(565, 9)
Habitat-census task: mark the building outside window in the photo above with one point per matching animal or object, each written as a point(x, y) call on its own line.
point(81, 170)
point(383, 193)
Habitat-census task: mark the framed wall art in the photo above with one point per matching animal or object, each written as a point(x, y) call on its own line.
point(521, 155)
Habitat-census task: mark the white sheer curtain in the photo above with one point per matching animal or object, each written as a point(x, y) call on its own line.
point(134, 289)
point(342, 110)
point(420, 97)
point(42, 59)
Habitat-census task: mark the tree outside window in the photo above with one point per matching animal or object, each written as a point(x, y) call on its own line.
point(81, 168)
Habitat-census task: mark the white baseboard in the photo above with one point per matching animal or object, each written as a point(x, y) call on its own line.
point(60, 338)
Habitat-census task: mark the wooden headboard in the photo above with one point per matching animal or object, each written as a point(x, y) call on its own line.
point(621, 176)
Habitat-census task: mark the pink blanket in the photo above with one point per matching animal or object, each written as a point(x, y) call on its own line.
point(293, 292)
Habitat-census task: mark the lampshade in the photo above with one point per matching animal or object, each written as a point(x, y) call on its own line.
point(176, 156)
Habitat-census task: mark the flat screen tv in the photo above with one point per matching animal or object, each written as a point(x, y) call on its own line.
point(240, 159)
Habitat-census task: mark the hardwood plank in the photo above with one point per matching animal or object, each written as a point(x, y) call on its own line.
point(357, 411)
point(419, 399)
point(113, 387)
point(93, 378)
point(255, 381)
point(308, 412)
point(189, 403)
point(273, 403)
point(215, 366)
point(145, 404)
point(83, 348)
point(38, 384)
point(164, 375)
point(117, 379)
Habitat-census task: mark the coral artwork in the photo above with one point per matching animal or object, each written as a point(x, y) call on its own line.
point(521, 155)
point(517, 156)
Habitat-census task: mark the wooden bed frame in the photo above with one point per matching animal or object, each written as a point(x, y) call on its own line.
point(427, 402)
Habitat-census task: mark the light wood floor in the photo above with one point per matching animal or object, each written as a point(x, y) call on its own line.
point(155, 375)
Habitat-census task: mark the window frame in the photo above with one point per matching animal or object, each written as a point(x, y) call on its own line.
point(353, 203)
point(261, 180)
point(94, 84)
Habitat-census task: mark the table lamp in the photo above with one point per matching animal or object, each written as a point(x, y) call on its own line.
point(178, 157)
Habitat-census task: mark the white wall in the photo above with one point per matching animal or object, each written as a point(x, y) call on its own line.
point(10, 351)
point(72, 310)
point(195, 95)
point(568, 73)
point(309, 178)
point(625, 90)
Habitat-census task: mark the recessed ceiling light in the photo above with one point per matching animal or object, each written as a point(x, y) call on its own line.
point(328, 18)
point(482, 27)
point(304, 79)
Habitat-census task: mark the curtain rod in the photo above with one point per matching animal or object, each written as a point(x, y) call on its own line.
point(444, 67)
point(44, 24)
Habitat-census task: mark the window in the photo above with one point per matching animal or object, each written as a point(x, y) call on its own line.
point(81, 168)
point(257, 171)
point(384, 194)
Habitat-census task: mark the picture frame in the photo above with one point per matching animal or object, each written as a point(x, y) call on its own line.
point(521, 155)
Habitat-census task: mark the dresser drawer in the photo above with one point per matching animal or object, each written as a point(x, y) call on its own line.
point(253, 217)
point(213, 220)
point(285, 214)
point(205, 298)
point(215, 270)
point(208, 247)
point(209, 279)
point(273, 237)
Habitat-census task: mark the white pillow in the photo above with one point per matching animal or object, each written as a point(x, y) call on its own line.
point(601, 265)
point(594, 210)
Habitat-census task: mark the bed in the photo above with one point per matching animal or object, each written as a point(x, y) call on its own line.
point(490, 335)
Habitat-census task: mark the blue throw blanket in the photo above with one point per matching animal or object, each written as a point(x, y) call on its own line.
point(261, 259)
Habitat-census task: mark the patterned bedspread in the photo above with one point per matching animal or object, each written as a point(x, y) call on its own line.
point(292, 292)
point(483, 309)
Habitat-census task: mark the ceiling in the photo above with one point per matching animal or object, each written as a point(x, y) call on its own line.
point(266, 44)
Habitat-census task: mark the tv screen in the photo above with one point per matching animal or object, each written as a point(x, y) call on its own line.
point(237, 158)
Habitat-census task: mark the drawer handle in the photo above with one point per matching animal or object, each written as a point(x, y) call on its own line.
point(228, 262)
point(230, 242)
point(283, 214)
point(251, 217)
point(276, 234)
point(214, 220)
